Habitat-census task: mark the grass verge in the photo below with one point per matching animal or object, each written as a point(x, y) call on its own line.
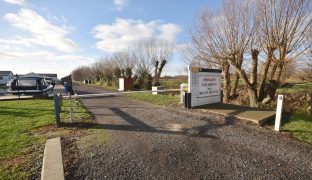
point(295, 88)
point(300, 126)
point(161, 99)
point(24, 127)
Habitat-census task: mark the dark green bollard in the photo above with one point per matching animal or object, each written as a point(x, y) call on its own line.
point(57, 108)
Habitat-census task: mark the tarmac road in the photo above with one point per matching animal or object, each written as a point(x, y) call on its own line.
point(153, 142)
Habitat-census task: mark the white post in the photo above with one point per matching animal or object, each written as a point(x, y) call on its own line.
point(279, 110)
point(182, 86)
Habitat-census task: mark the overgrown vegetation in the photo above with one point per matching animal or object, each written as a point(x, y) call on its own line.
point(24, 126)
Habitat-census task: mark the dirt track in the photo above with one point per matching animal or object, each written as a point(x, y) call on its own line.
point(144, 141)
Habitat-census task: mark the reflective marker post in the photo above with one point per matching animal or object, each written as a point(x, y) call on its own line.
point(279, 110)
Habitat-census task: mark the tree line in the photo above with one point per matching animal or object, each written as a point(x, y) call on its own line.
point(144, 62)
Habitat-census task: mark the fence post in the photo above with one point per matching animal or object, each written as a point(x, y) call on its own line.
point(57, 110)
point(279, 110)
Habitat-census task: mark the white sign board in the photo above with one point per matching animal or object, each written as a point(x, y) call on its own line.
point(204, 86)
point(208, 86)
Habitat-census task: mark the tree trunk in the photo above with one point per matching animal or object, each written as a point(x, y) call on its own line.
point(252, 92)
point(272, 87)
point(253, 98)
point(273, 71)
point(227, 81)
point(254, 66)
point(279, 74)
point(239, 62)
point(264, 75)
point(235, 84)
point(156, 69)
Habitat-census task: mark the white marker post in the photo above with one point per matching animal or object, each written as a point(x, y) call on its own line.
point(182, 93)
point(279, 110)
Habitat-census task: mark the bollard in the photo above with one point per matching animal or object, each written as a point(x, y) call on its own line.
point(182, 92)
point(57, 110)
point(70, 108)
point(279, 110)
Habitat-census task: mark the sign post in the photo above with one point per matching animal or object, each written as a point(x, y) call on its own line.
point(279, 110)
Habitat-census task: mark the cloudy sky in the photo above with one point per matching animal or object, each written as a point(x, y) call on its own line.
point(55, 36)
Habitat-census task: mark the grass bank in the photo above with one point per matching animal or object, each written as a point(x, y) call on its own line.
point(161, 99)
point(24, 125)
point(300, 126)
point(295, 87)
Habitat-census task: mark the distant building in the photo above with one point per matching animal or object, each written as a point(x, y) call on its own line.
point(5, 77)
point(48, 75)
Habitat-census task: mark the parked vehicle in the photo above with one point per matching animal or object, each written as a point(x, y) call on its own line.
point(29, 84)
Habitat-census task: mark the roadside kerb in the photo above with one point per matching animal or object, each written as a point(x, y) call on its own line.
point(52, 167)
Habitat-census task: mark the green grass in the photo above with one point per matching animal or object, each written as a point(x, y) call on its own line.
point(18, 118)
point(300, 126)
point(19, 141)
point(155, 99)
point(99, 84)
point(172, 83)
point(296, 88)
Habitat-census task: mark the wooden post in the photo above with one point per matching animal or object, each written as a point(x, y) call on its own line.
point(279, 110)
point(57, 110)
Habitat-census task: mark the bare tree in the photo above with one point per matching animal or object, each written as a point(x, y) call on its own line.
point(242, 31)
point(81, 73)
point(152, 56)
point(221, 39)
point(285, 25)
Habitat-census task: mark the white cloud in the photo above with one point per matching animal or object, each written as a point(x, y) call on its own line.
point(40, 61)
point(125, 32)
point(169, 31)
point(18, 2)
point(119, 4)
point(42, 32)
point(42, 46)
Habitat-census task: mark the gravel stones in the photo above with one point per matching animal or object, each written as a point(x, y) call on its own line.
point(154, 142)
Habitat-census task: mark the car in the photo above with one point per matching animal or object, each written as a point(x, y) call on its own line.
point(30, 85)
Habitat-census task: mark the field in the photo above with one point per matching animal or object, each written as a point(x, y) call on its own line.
point(296, 87)
point(155, 99)
point(172, 83)
point(24, 127)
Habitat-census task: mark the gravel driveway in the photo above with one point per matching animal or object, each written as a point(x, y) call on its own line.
point(152, 142)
